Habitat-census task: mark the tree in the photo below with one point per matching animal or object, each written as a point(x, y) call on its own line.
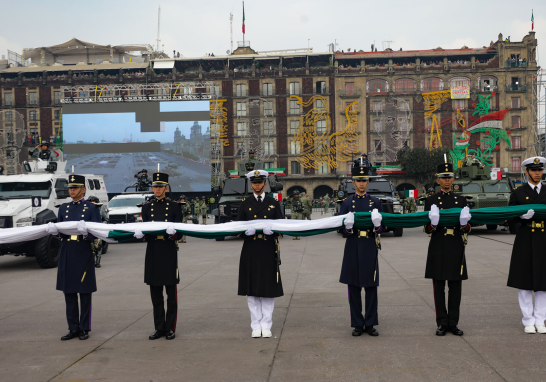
point(421, 162)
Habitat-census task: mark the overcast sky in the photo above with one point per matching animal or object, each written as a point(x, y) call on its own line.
point(195, 28)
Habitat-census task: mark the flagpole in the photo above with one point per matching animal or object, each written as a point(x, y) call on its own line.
point(243, 23)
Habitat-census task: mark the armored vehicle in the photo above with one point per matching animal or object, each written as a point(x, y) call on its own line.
point(33, 199)
point(379, 187)
point(126, 207)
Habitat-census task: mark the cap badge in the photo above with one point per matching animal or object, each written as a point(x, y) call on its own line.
point(256, 173)
point(536, 161)
point(72, 179)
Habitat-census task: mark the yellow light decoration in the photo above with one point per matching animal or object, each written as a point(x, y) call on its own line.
point(433, 101)
point(218, 121)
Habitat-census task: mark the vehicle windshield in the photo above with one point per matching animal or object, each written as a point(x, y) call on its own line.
point(25, 189)
point(499, 187)
point(383, 187)
point(234, 186)
point(128, 202)
point(472, 187)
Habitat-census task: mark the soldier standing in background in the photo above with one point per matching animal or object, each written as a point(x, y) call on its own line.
point(326, 204)
point(186, 210)
point(203, 210)
point(307, 207)
point(296, 209)
point(410, 205)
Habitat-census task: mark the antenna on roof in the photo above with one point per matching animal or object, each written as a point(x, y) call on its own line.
point(158, 41)
point(231, 29)
point(387, 44)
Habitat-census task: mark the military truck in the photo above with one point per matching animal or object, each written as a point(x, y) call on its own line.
point(474, 182)
point(33, 199)
point(235, 190)
point(379, 187)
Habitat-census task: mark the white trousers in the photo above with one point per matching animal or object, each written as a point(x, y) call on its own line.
point(261, 312)
point(526, 304)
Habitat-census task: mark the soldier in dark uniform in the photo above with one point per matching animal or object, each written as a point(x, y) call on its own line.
point(44, 154)
point(363, 162)
point(75, 275)
point(528, 263)
point(259, 273)
point(359, 268)
point(446, 260)
point(143, 180)
point(161, 263)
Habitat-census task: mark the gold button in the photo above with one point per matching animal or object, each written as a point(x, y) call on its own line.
point(166, 214)
point(152, 215)
point(167, 203)
point(250, 209)
point(440, 202)
point(152, 204)
point(269, 209)
point(265, 217)
point(82, 216)
point(527, 198)
point(152, 220)
point(152, 209)
point(66, 216)
point(255, 216)
point(167, 208)
point(456, 202)
point(165, 219)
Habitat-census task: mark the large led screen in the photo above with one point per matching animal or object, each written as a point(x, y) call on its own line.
point(118, 140)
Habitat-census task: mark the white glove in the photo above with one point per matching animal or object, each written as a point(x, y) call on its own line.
point(376, 218)
point(52, 229)
point(528, 215)
point(138, 234)
point(434, 214)
point(250, 231)
point(268, 230)
point(465, 216)
point(82, 228)
point(349, 221)
point(171, 230)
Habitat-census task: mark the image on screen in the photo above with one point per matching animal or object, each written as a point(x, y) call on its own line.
point(119, 140)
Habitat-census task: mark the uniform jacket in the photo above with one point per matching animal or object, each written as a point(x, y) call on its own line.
point(528, 263)
point(360, 255)
point(307, 206)
point(258, 262)
point(161, 263)
point(445, 251)
point(185, 209)
point(203, 208)
point(75, 256)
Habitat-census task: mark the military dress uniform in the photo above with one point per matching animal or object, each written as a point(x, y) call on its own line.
point(360, 267)
point(445, 257)
point(75, 259)
point(161, 262)
point(528, 263)
point(259, 274)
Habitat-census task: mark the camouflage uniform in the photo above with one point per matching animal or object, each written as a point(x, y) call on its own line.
point(203, 210)
point(296, 204)
point(411, 206)
point(186, 211)
point(326, 204)
point(307, 207)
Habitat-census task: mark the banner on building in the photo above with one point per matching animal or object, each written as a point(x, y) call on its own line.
point(411, 193)
point(460, 92)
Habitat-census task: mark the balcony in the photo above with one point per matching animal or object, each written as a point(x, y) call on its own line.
point(516, 88)
point(515, 64)
point(515, 149)
point(349, 94)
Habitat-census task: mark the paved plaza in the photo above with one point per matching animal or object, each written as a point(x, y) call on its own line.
point(311, 325)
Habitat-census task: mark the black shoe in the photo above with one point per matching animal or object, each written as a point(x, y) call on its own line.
point(441, 331)
point(358, 331)
point(97, 265)
point(371, 331)
point(71, 334)
point(84, 334)
point(455, 330)
point(157, 334)
point(170, 335)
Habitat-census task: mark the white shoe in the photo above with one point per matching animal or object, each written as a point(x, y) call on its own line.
point(530, 329)
point(266, 333)
point(258, 333)
point(541, 329)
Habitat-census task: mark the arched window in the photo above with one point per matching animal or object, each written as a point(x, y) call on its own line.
point(487, 83)
point(377, 86)
point(432, 84)
point(404, 85)
point(459, 81)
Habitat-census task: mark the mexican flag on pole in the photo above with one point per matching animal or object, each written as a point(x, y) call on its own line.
point(243, 17)
point(532, 21)
point(411, 193)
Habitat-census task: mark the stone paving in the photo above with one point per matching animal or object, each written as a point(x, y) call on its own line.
point(311, 334)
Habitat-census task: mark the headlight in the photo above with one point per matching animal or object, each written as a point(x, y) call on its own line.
point(24, 222)
point(397, 209)
point(138, 217)
point(222, 209)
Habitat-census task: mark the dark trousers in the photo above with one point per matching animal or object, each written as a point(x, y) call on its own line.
point(447, 316)
point(78, 319)
point(164, 322)
point(355, 303)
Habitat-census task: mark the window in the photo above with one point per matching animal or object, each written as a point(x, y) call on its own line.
point(487, 84)
point(516, 142)
point(241, 128)
point(268, 128)
point(241, 90)
point(97, 184)
point(377, 145)
point(377, 125)
point(294, 107)
point(33, 98)
point(56, 98)
point(377, 86)
point(404, 85)
point(294, 147)
point(349, 88)
point(321, 127)
point(215, 148)
point(323, 169)
point(216, 167)
point(432, 84)
point(294, 88)
point(295, 167)
point(8, 99)
point(516, 122)
point(110, 93)
point(320, 106)
point(56, 114)
point(267, 89)
point(91, 184)
point(351, 108)
point(321, 87)
point(133, 92)
point(458, 104)
point(294, 126)
point(268, 108)
point(268, 148)
point(515, 102)
point(428, 124)
point(459, 81)
point(216, 90)
point(269, 165)
point(516, 164)
point(33, 115)
point(377, 106)
point(9, 116)
point(240, 148)
point(241, 109)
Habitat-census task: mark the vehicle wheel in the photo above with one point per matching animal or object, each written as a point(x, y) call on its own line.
point(398, 232)
point(514, 228)
point(491, 227)
point(104, 247)
point(46, 251)
point(220, 238)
